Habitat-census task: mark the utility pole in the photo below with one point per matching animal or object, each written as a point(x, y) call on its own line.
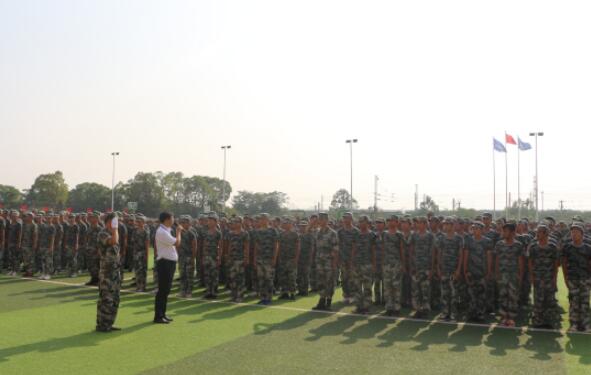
point(537, 134)
point(453, 204)
point(542, 201)
point(225, 148)
point(350, 142)
point(459, 204)
point(375, 196)
point(416, 197)
point(561, 202)
point(113, 154)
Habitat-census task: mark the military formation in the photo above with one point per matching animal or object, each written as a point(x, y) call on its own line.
point(455, 269)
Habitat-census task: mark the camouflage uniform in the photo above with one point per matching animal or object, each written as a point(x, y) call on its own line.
point(109, 282)
point(477, 252)
point(251, 274)
point(378, 279)
point(2, 242)
point(307, 243)
point(450, 250)
point(406, 294)
point(92, 252)
point(140, 260)
point(236, 244)
point(81, 254)
point(13, 237)
point(544, 261)
point(392, 270)
point(508, 256)
point(29, 235)
point(57, 248)
point(46, 236)
point(492, 292)
point(577, 275)
point(421, 264)
point(525, 290)
point(362, 270)
point(266, 241)
point(153, 230)
point(70, 247)
point(326, 247)
point(211, 244)
point(435, 282)
point(186, 262)
point(347, 239)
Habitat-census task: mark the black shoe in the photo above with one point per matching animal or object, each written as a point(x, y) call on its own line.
point(292, 297)
point(161, 321)
point(328, 303)
point(302, 294)
point(115, 328)
point(167, 318)
point(103, 330)
point(320, 306)
point(284, 296)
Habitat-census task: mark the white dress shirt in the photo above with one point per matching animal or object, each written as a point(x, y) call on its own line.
point(165, 244)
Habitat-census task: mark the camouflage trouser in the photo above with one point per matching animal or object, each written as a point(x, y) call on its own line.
point(93, 262)
point(70, 260)
point(81, 259)
point(46, 261)
point(435, 293)
point(28, 259)
point(314, 282)
point(509, 296)
point(140, 268)
point(346, 280)
point(463, 296)
point(265, 276)
point(287, 277)
point(420, 290)
point(492, 295)
point(324, 277)
point(477, 291)
point(449, 297)
point(578, 299)
point(14, 264)
point(378, 285)
point(526, 286)
point(545, 304)
point(392, 286)
point(237, 279)
point(186, 272)
point(406, 296)
point(109, 287)
point(303, 277)
point(210, 274)
point(362, 279)
point(57, 258)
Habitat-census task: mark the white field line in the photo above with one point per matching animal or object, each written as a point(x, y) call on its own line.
point(490, 327)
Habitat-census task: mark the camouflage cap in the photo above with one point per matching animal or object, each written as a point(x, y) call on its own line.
point(364, 218)
point(303, 223)
point(393, 218)
point(264, 215)
point(448, 220)
point(543, 227)
point(578, 218)
point(213, 216)
point(478, 224)
point(578, 225)
point(487, 215)
point(140, 218)
point(422, 219)
point(235, 220)
point(348, 214)
point(550, 219)
point(287, 219)
point(323, 215)
point(511, 225)
point(380, 220)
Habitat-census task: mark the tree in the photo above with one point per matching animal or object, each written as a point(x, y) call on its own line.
point(428, 204)
point(89, 195)
point(341, 200)
point(48, 190)
point(145, 189)
point(10, 197)
point(216, 199)
point(273, 203)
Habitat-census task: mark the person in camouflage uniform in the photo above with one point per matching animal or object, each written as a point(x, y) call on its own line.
point(543, 261)
point(289, 253)
point(141, 251)
point(510, 264)
point(378, 280)
point(266, 250)
point(109, 277)
point(491, 283)
point(92, 255)
point(434, 223)
point(45, 244)
point(393, 267)
point(313, 228)
point(363, 266)
point(307, 244)
point(212, 256)
point(347, 238)
point(29, 244)
point(477, 270)
point(71, 246)
point(407, 244)
point(576, 264)
point(238, 249)
point(58, 244)
point(187, 251)
point(325, 261)
point(523, 236)
point(13, 242)
point(421, 263)
point(82, 237)
point(449, 263)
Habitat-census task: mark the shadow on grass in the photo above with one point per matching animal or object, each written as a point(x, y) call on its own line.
point(466, 337)
point(366, 331)
point(435, 334)
point(543, 344)
point(502, 340)
point(87, 339)
point(336, 327)
point(579, 346)
point(404, 331)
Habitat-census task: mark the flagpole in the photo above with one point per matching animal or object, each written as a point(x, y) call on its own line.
point(506, 180)
point(494, 186)
point(518, 184)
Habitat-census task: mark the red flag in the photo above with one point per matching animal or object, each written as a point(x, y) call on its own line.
point(24, 207)
point(509, 139)
point(89, 210)
point(45, 209)
point(69, 210)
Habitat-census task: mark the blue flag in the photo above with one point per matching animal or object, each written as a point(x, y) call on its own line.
point(498, 146)
point(523, 146)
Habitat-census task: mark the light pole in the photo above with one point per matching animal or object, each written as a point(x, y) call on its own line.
point(350, 142)
point(225, 148)
point(113, 154)
point(537, 134)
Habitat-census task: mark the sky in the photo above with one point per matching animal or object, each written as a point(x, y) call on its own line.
point(423, 85)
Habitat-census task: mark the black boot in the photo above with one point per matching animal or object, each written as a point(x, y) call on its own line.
point(328, 303)
point(320, 306)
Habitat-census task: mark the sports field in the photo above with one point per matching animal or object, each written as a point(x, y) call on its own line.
point(47, 327)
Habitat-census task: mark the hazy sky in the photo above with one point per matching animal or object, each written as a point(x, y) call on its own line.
point(423, 85)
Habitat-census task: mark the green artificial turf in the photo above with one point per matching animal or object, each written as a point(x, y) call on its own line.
point(48, 328)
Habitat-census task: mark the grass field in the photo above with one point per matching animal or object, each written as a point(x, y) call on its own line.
point(48, 328)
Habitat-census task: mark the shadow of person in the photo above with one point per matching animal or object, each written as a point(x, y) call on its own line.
point(436, 333)
point(467, 336)
point(86, 339)
point(293, 323)
point(334, 327)
point(501, 340)
point(543, 344)
point(579, 345)
point(366, 331)
point(404, 330)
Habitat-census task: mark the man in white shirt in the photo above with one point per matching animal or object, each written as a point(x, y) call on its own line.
point(165, 264)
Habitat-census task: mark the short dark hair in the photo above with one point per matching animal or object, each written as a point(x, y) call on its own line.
point(110, 216)
point(164, 216)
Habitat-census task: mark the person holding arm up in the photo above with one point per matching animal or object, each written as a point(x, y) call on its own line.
point(109, 276)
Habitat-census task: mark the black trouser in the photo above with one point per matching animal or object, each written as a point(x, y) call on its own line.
point(165, 270)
